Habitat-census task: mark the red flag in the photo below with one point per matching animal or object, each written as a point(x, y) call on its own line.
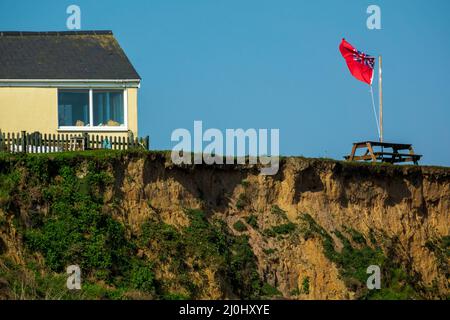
point(360, 65)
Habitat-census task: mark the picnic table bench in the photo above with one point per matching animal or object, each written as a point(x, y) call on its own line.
point(397, 154)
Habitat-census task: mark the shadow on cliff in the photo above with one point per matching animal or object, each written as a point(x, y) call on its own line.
point(391, 185)
point(307, 180)
point(213, 185)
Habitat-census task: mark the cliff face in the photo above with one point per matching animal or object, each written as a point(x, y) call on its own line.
point(313, 228)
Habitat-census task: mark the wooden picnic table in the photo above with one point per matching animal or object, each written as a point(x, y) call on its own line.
point(78, 143)
point(372, 154)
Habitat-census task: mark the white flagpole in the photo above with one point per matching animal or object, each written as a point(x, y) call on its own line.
point(375, 111)
point(380, 90)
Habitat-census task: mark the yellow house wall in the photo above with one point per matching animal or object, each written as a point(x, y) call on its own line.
point(36, 109)
point(132, 110)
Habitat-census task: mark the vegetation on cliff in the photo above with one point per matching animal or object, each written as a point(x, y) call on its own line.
point(64, 209)
point(77, 228)
point(354, 258)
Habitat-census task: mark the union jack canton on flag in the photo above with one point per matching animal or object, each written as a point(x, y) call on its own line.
point(360, 64)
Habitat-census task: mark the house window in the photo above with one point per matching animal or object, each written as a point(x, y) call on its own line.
point(73, 108)
point(92, 109)
point(108, 108)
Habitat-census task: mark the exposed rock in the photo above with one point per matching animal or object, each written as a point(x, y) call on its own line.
point(405, 204)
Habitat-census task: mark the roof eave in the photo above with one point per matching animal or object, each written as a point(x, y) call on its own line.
point(71, 83)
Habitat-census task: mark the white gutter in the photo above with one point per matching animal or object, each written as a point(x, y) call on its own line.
point(71, 83)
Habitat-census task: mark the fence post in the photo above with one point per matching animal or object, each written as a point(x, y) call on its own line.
point(130, 139)
point(147, 142)
point(8, 141)
point(24, 141)
point(85, 141)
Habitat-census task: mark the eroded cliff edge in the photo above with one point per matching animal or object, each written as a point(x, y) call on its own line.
point(312, 229)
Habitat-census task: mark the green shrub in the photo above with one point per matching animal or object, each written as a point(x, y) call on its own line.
point(77, 231)
point(270, 291)
point(295, 292)
point(252, 221)
point(356, 236)
point(245, 183)
point(268, 251)
point(441, 249)
point(142, 278)
point(305, 285)
point(241, 201)
point(239, 226)
point(372, 238)
point(8, 186)
point(276, 210)
point(281, 229)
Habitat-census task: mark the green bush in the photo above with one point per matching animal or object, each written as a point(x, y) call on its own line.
point(241, 201)
point(239, 226)
point(77, 232)
point(276, 210)
point(252, 221)
point(295, 292)
point(356, 236)
point(245, 183)
point(305, 285)
point(8, 186)
point(268, 251)
point(441, 249)
point(270, 291)
point(281, 229)
point(142, 278)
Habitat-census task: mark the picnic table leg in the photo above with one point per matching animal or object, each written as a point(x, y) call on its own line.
point(395, 155)
point(411, 152)
point(372, 154)
point(352, 155)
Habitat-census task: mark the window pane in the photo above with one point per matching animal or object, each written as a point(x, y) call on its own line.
point(73, 108)
point(108, 108)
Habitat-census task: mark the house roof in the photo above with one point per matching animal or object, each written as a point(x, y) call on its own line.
point(86, 55)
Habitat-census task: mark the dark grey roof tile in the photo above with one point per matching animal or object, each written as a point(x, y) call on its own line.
point(63, 55)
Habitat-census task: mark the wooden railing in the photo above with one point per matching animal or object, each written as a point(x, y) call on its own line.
point(48, 143)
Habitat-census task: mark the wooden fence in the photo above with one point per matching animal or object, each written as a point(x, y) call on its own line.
point(48, 143)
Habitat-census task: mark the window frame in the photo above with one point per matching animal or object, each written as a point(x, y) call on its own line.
point(122, 128)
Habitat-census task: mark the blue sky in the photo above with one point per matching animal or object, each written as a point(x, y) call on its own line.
point(275, 64)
